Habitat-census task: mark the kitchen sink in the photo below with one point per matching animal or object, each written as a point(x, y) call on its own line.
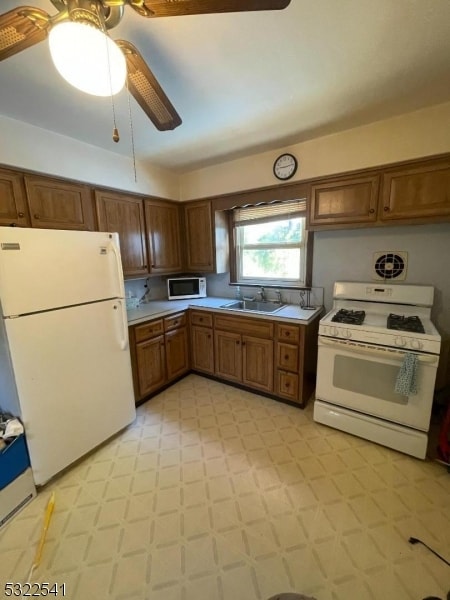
point(253, 306)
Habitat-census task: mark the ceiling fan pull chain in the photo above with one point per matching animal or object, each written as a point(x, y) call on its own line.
point(115, 135)
point(131, 131)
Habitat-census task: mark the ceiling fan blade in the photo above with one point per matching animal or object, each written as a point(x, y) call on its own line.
point(171, 8)
point(21, 28)
point(147, 91)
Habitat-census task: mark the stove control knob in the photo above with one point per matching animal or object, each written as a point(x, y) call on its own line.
point(416, 344)
point(400, 341)
point(334, 331)
point(347, 333)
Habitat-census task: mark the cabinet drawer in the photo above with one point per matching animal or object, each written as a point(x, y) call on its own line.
point(174, 321)
point(149, 330)
point(287, 356)
point(201, 318)
point(253, 327)
point(287, 385)
point(288, 333)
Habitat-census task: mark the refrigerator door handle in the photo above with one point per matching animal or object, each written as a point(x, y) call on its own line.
point(122, 313)
point(116, 252)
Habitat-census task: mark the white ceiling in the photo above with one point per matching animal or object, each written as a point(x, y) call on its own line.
point(249, 82)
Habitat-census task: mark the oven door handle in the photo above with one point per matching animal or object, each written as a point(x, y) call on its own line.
point(373, 351)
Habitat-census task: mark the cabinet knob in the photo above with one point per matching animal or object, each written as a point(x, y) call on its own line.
point(287, 384)
point(243, 343)
point(237, 342)
point(386, 208)
point(21, 215)
point(288, 333)
point(209, 336)
point(201, 319)
point(286, 357)
point(36, 216)
point(371, 211)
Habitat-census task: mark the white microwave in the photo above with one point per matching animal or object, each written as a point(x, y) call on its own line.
point(181, 288)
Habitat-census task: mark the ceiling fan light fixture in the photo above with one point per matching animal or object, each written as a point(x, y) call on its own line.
point(87, 58)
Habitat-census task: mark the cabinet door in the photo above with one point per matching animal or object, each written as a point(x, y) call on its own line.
point(163, 235)
point(124, 214)
point(286, 385)
point(151, 365)
point(177, 353)
point(202, 349)
point(13, 207)
point(228, 355)
point(257, 365)
point(287, 356)
point(199, 237)
point(422, 191)
point(344, 201)
point(58, 204)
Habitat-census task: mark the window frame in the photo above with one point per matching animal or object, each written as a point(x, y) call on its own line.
point(306, 263)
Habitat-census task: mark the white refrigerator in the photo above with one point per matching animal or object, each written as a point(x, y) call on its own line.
point(64, 358)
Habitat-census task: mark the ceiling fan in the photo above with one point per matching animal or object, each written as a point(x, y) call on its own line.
point(26, 26)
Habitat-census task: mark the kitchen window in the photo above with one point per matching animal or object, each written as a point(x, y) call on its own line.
point(270, 244)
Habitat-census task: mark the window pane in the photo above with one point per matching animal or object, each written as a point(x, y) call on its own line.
point(275, 263)
point(286, 231)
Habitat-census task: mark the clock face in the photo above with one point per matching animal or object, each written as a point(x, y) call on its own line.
point(285, 166)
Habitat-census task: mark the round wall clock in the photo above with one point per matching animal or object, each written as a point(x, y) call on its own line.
point(285, 166)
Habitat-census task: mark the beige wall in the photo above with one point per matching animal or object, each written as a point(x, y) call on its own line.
point(421, 133)
point(29, 147)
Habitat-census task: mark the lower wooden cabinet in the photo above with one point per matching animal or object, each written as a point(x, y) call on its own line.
point(159, 353)
point(275, 358)
point(288, 361)
point(202, 342)
point(228, 355)
point(245, 359)
point(151, 365)
point(177, 353)
point(257, 361)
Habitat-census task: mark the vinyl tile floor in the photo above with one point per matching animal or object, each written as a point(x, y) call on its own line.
point(215, 493)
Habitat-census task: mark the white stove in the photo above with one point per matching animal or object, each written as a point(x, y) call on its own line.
point(361, 360)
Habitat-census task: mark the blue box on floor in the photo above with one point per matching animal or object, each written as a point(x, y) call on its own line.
point(14, 460)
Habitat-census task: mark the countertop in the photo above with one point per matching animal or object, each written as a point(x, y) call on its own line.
point(162, 308)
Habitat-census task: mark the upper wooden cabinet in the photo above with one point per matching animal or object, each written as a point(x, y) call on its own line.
point(163, 236)
point(13, 206)
point(125, 215)
point(57, 204)
point(206, 238)
point(351, 200)
point(416, 192)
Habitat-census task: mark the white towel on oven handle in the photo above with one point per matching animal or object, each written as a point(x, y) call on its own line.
point(406, 383)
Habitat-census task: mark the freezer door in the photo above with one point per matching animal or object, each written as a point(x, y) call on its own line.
point(73, 377)
point(42, 269)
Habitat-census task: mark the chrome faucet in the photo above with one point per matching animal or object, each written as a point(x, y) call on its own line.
point(278, 294)
point(262, 294)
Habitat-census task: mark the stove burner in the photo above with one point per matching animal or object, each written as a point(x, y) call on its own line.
point(351, 317)
point(403, 323)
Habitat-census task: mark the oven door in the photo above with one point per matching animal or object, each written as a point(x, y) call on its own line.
point(362, 377)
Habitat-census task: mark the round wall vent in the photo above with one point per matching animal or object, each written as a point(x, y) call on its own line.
point(390, 266)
